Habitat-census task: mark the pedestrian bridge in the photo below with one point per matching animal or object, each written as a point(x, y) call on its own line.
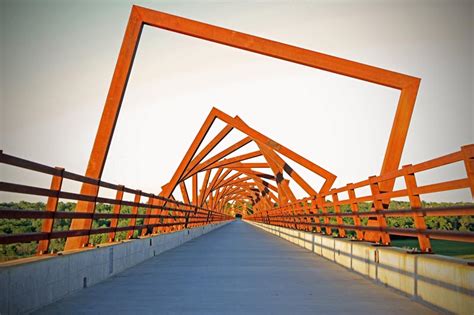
point(237, 269)
point(180, 250)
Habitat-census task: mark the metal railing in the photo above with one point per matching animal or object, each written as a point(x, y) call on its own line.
point(314, 214)
point(162, 214)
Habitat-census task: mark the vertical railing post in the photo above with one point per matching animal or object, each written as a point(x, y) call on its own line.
point(169, 220)
point(292, 218)
point(208, 217)
point(415, 203)
point(194, 216)
point(281, 212)
point(304, 218)
point(161, 229)
point(321, 201)
point(188, 216)
point(294, 211)
point(211, 217)
point(146, 221)
point(173, 220)
point(133, 221)
point(309, 218)
point(355, 210)
point(116, 211)
point(51, 206)
point(76, 242)
point(179, 221)
point(317, 219)
point(288, 220)
point(300, 216)
point(310, 212)
point(299, 210)
point(468, 156)
point(337, 209)
point(379, 220)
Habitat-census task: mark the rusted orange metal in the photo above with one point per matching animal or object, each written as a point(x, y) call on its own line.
point(415, 203)
point(139, 17)
point(468, 158)
point(354, 209)
point(233, 183)
point(174, 221)
point(134, 211)
point(116, 210)
point(377, 229)
point(52, 206)
point(377, 220)
point(278, 166)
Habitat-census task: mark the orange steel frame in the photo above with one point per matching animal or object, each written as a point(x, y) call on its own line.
point(140, 16)
point(233, 181)
point(306, 214)
point(122, 224)
point(236, 188)
point(245, 182)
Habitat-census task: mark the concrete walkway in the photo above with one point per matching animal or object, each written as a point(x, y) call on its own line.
point(237, 269)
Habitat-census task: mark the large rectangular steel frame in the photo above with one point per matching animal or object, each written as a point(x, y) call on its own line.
point(140, 16)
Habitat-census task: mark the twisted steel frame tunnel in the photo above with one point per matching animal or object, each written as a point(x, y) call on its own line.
point(239, 183)
point(262, 272)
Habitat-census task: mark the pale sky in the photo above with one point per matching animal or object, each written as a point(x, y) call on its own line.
point(57, 60)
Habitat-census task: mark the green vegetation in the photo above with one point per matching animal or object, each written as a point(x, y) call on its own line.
point(12, 251)
point(441, 247)
point(459, 223)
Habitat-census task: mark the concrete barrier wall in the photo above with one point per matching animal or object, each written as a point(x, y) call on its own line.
point(444, 283)
point(28, 284)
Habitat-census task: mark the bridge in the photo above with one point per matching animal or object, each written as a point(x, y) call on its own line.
point(237, 269)
point(239, 240)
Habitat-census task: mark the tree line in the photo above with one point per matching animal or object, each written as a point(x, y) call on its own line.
point(11, 251)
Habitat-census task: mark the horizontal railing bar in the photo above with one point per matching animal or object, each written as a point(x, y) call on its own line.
point(440, 211)
point(26, 164)
point(291, 214)
point(40, 214)
point(38, 236)
point(158, 208)
point(83, 179)
point(31, 190)
point(420, 167)
point(421, 190)
point(437, 234)
point(448, 185)
point(439, 161)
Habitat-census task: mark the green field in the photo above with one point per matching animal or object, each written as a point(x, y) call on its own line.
point(448, 248)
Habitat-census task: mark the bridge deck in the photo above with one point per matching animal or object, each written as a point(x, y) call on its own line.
point(237, 269)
